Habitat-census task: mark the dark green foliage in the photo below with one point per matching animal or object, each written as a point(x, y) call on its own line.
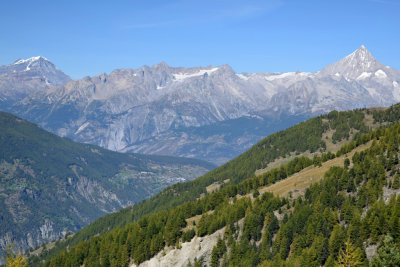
point(188, 235)
point(388, 254)
point(342, 122)
point(217, 252)
point(391, 114)
point(396, 182)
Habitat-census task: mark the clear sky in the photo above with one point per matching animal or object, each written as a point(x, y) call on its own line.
point(90, 37)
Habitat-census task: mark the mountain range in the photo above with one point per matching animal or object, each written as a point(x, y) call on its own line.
point(210, 113)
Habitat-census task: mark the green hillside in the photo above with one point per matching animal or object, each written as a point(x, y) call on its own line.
point(50, 185)
point(170, 210)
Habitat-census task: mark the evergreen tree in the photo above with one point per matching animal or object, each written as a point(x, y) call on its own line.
point(336, 240)
point(350, 257)
point(396, 182)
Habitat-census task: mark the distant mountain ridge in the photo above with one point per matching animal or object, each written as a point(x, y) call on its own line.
point(198, 112)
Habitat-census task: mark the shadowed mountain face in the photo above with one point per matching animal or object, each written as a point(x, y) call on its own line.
point(51, 185)
point(210, 113)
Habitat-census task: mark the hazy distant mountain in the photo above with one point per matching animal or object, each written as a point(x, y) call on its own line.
point(210, 113)
point(51, 185)
point(24, 77)
point(381, 82)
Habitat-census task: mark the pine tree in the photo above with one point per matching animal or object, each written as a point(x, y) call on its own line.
point(396, 182)
point(375, 229)
point(124, 257)
point(350, 257)
point(336, 240)
point(214, 257)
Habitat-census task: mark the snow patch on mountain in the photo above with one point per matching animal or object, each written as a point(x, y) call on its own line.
point(243, 77)
point(380, 74)
point(82, 127)
point(286, 75)
point(364, 75)
point(183, 76)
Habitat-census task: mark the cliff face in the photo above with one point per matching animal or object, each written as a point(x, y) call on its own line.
point(199, 248)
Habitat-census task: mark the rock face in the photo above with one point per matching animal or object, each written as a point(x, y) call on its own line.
point(50, 185)
point(201, 112)
point(198, 248)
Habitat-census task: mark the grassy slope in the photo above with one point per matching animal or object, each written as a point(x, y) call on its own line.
point(297, 183)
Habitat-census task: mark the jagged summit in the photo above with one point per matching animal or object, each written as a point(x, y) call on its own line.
point(352, 66)
point(38, 64)
point(162, 64)
point(29, 60)
point(360, 57)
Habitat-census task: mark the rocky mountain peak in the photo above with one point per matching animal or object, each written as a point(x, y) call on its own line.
point(38, 63)
point(161, 65)
point(352, 66)
point(38, 68)
point(26, 76)
point(360, 58)
point(30, 60)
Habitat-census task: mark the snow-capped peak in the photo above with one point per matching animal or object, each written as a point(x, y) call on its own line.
point(352, 66)
point(37, 68)
point(29, 60)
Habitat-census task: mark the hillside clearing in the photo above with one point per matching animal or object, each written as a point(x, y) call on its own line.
point(299, 182)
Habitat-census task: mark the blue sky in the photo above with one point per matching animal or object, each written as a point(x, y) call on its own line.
point(90, 37)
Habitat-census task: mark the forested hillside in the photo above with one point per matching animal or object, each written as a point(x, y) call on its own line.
point(50, 185)
point(287, 230)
